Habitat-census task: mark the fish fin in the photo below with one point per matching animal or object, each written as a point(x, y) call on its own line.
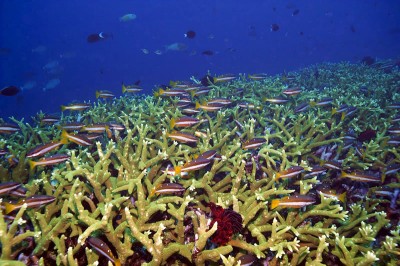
point(117, 262)
point(108, 131)
point(64, 137)
point(274, 203)
point(32, 164)
point(97, 94)
point(197, 105)
point(172, 123)
point(342, 197)
point(178, 170)
point(9, 207)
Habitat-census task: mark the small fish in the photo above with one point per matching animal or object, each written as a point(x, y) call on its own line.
point(76, 138)
point(10, 91)
point(158, 52)
point(260, 76)
point(190, 34)
point(295, 12)
point(73, 126)
point(246, 260)
point(277, 100)
point(223, 101)
point(361, 177)
point(194, 165)
point(209, 107)
point(50, 119)
point(207, 53)
point(3, 152)
point(275, 27)
point(297, 201)
point(185, 121)
point(9, 128)
point(316, 170)
point(167, 188)
point(75, 107)
point(51, 160)
point(394, 130)
point(177, 47)
point(322, 102)
point(292, 91)
point(145, 51)
point(45, 148)
point(208, 155)
point(102, 248)
point(329, 193)
point(36, 201)
point(332, 165)
point(301, 108)
point(127, 17)
point(51, 84)
point(172, 93)
point(104, 94)
point(116, 126)
point(183, 137)
point(7, 187)
point(131, 88)
point(96, 37)
point(253, 143)
point(289, 173)
point(224, 78)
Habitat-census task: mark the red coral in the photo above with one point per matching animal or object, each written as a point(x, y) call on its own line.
point(229, 223)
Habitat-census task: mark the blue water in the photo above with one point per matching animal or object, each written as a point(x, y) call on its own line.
point(35, 33)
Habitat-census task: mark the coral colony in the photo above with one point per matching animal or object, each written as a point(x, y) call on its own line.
point(294, 169)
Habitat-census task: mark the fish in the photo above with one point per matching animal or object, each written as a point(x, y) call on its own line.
point(224, 78)
point(292, 91)
point(332, 165)
point(98, 128)
point(167, 188)
point(131, 88)
point(9, 128)
point(76, 138)
point(104, 94)
point(329, 193)
point(10, 91)
point(177, 47)
point(360, 177)
point(207, 53)
point(127, 17)
point(316, 170)
point(51, 84)
point(35, 201)
point(75, 107)
point(295, 12)
point(209, 107)
point(301, 108)
point(275, 27)
point(190, 34)
point(322, 102)
point(45, 148)
point(297, 201)
point(73, 126)
point(208, 155)
point(7, 187)
point(49, 119)
point(96, 37)
point(51, 160)
point(277, 100)
point(171, 93)
point(289, 173)
point(185, 121)
point(102, 248)
point(253, 143)
point(183, 137)
point(193, 165)
point(260, 76)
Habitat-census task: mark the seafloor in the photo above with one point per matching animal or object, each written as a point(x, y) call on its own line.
point(328, 155)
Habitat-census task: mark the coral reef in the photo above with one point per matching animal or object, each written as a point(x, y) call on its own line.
point(112, 205)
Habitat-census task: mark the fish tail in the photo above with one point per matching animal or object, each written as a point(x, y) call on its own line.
point(178, 170)
point(342, 197)
point(117, 262)
point(343, 116)
point(9, 207)
point(197, 105)
point(343, 174)
point(63, 107)
point(172, 123)
point(32, 164)
point(64, 137)
point(334, 111)
point(123, 88)
point(313, 103)
point(277, 176)
point(275, 203)
point(97, 94)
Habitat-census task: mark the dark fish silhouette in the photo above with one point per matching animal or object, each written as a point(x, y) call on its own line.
point(95, 37)
point(10, 91)
point(190, 34)
point(296, 12)
point(207, 52)
point(274, 27)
